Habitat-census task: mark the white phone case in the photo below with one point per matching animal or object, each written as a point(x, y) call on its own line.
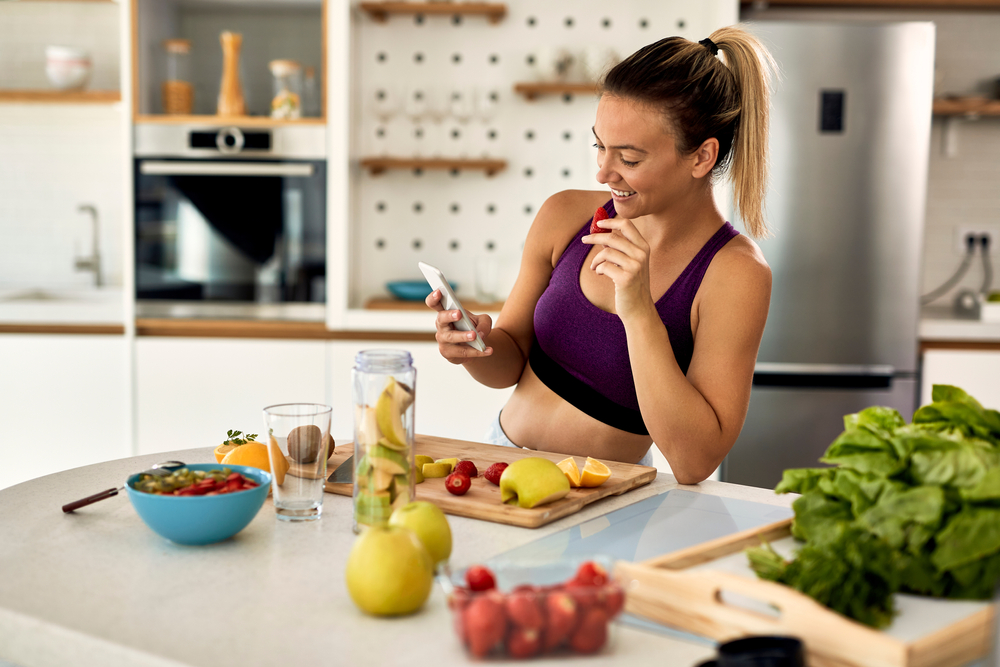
point(449, 301)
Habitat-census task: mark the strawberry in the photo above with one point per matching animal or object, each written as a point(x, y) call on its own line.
point(599, 215)
point(523, 610)
point(494, 471)
point(584, 596)
point(457, 483)
point(467, 468)
point(480, 578)
point(484, 623)
point(592, 632)
point(459, 599)
point(591, 574)
point(523, 642)
point(614, 600)
point(560, 612)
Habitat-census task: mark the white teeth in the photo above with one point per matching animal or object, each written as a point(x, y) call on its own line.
point(622, 193)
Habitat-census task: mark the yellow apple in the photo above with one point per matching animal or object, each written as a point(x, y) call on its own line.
point(532, 481)
point(429, 523)
point(389, 572)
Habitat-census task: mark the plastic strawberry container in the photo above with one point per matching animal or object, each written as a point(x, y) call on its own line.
point(562, 608)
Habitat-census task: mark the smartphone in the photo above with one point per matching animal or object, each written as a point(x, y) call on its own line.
point(449, 301)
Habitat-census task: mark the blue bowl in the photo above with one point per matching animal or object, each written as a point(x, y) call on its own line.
point(413, 290)
point(201, 519)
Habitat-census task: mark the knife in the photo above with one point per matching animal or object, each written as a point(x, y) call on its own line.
point(344, 474)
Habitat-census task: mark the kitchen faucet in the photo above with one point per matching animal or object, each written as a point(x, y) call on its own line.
point(92, 263)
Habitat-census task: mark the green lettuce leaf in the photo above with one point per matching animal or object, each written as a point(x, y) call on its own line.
point(863, 450)
point(906, 519)
point(969, 535)
point(802, 480)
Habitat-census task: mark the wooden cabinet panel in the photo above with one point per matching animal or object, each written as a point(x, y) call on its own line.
point(64, 401)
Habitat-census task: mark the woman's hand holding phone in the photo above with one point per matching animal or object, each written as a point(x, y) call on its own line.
point(452, 343)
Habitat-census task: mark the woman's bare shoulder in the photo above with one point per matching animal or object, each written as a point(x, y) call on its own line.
point(739, 260)
point(561, 217)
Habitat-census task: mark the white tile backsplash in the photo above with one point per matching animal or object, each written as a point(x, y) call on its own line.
point(26, 28)
point(52, 159)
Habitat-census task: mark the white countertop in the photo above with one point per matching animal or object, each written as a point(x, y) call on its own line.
point(70, 305)
point(941, 323)
point(99, 587)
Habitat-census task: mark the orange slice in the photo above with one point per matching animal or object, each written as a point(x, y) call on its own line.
point(594, 473)
point(572, 472)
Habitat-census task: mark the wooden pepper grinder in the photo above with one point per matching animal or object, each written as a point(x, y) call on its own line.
point(231, 102)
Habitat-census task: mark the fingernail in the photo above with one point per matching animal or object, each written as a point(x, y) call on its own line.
point(455, 316)
point(470, 336)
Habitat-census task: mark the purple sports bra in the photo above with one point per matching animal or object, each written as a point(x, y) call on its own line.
point(580, 351)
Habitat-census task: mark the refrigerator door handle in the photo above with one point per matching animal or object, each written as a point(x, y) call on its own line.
point(823, 376)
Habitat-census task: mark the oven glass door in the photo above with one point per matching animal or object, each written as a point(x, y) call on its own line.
point(230, 230)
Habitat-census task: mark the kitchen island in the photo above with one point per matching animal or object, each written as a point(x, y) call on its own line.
point(98, 587)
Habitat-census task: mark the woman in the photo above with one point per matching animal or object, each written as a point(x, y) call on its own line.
point(649, 333)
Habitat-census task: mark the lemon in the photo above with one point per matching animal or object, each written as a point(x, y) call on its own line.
point(572, 472)
point(594, 473)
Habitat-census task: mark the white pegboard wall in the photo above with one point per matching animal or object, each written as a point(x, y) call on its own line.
point(451, 219)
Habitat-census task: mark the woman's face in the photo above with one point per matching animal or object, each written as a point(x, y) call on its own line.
point(637, 158)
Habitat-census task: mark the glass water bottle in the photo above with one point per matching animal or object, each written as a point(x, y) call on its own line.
point(384, 391)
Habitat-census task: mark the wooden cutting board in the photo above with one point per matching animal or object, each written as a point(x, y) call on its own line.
point(482, 501)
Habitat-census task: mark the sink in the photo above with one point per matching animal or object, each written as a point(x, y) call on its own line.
point(67, 305)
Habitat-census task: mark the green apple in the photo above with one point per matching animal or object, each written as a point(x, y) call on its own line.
point(389, 460)
point(429, 524)
point(367, 424)
point(389, 572)
point(394, 400)
point(532, 481)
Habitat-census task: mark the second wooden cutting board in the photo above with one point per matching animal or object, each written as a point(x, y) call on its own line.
point(482, 501)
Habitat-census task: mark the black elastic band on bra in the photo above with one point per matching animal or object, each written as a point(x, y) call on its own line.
point(582, 396)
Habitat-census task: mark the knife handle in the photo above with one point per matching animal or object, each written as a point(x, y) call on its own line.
point(75, 505)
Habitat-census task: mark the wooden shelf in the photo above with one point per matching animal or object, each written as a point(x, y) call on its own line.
point(61, 96)
point(377, 165)
point(533, 90)
point(966, 106)
point(242, 121)
point(388, 303)
point(380, 11)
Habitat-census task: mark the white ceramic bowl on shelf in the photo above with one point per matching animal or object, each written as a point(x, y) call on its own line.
point(68, 68)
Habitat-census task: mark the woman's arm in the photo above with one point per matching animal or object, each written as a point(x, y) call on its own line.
point(510, 340)
point(693, 419)
point(696, 419)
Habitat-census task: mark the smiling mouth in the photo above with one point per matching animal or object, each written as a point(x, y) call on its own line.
point(622, 193)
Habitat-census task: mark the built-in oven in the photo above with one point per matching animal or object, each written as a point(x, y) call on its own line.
point(233, 214)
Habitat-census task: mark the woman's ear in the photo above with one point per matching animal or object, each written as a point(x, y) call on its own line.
point(704, 158)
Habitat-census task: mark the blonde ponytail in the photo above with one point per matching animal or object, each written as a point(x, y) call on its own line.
point(751, 66)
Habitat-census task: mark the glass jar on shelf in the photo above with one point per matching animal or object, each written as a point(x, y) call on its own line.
point(287, 101)
point(177, 90)
point(311, 105)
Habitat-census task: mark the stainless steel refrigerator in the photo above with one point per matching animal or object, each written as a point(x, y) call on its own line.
point(850, 134)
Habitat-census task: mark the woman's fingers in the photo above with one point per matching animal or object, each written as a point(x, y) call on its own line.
point(433, 300)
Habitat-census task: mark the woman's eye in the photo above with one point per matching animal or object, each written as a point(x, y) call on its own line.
point(628, 164)
point(599, 147)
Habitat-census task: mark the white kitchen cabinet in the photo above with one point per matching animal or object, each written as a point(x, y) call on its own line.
point(975, 371)
point(63, 402)
point(190, 391)
point(449, 404)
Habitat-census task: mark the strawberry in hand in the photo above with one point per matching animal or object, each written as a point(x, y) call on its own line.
point(599, 215)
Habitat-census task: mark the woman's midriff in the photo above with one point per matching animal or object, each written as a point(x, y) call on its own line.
point(536, 417)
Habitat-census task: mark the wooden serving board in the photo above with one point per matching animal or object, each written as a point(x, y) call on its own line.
point(710, 590)
point(482, 501)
